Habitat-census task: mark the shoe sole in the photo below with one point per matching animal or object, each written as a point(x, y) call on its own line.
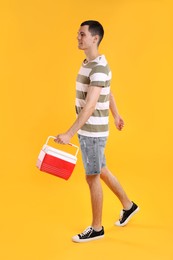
point(128, 219)
point(78, 240)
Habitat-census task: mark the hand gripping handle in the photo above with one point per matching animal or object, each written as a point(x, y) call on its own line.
point(53, 137)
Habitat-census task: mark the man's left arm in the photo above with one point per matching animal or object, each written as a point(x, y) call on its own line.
point(119, 122)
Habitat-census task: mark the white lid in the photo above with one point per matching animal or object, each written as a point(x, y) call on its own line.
point(59, 154)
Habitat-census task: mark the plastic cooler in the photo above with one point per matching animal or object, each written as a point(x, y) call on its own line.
point(56, 162)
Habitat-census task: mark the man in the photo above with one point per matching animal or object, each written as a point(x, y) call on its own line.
point(93, 101)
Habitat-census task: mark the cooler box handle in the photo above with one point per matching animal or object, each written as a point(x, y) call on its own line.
point(53, 137)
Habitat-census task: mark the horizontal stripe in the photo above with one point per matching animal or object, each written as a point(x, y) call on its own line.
point(80, 103)
point(82, 95)
point(94, 128)
point(98, 77)
point(94, 120)
point(81, 87)
point(97, 113)
point(93, 134)
point(100, 69)
point(94, 81)
point(105, 91)
point(83, 79)
point(84, 87)
point(100, 83)
point(84, 71)
point(99, 105)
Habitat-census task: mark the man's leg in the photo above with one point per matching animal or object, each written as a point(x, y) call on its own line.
point(129, 207)
point(112, 182)
point(96, 194)
point(96, 230)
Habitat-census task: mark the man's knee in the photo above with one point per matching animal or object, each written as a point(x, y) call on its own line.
point(103, 174)
point(92, 178)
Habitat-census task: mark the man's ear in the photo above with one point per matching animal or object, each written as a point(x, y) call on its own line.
point(96, 38)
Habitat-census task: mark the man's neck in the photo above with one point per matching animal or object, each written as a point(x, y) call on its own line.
point(91, 55)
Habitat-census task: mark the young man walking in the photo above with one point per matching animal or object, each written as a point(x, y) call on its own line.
point(93, 102)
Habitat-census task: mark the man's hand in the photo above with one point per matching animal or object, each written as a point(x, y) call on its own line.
point(63, 139)
point(119, 122)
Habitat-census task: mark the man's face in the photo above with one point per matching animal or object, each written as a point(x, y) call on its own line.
point(85, 39)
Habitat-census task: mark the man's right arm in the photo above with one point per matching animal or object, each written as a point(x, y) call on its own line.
point(91, 101)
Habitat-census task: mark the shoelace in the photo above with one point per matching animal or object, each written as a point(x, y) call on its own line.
point(86, 231)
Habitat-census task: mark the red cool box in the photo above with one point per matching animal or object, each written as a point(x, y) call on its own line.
point(56, 162)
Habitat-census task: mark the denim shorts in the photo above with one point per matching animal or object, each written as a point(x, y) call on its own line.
point(93, 157)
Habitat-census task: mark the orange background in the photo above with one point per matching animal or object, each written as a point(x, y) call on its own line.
point(39, 61)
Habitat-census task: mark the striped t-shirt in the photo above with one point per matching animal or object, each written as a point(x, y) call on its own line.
point(94, 73)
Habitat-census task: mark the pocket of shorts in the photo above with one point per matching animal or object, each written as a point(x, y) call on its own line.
point(102, 141)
